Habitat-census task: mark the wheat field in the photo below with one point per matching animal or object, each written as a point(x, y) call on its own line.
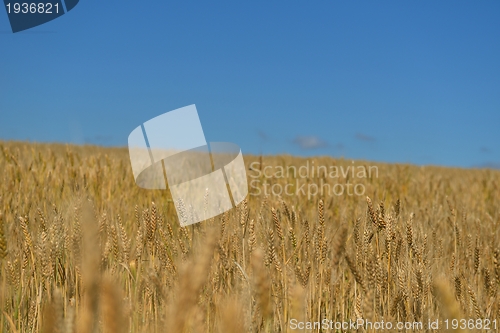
point(83, 249)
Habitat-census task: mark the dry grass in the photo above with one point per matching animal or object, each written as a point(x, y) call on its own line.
point(82, 249)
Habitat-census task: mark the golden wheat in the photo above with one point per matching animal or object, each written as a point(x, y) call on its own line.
point(83, 249)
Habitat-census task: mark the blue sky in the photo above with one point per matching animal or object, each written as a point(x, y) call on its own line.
point(394, 81)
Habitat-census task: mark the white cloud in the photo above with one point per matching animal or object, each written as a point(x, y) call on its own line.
point(309, 142)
